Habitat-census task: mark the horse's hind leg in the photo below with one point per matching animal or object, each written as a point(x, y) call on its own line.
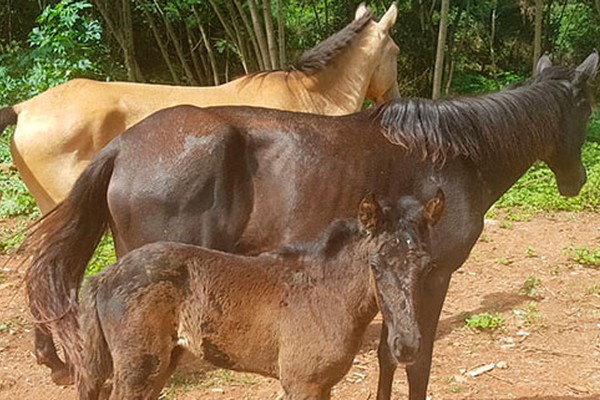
point(144, 375)
point(45, 354)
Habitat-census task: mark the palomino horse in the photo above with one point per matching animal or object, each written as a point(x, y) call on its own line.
point(59, 131)
point(240, 179)
point(297, 314)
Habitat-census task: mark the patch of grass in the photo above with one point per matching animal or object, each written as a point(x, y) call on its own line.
point(585, 255)
point(506, 224)
point(592, 290)
point(532, 316)
point(16, 199)
point(103, 256)
point(530, 252)
point(455, 388)
point(530, 286)
point(503, 261)
point(2, 277)
point(180, 383)
point(225, 377)
point(485, 321)
point(12, 237)
point(536, 191)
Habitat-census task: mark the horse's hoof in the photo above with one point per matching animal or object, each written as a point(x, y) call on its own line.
point(62, 377)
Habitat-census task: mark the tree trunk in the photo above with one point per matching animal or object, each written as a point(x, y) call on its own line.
point(161, 45)
point(178, 50)
point(234, 37)
point(493, 37)
point(537, 40)
point(133, 69)
point(211, 55)
point(260, 36)
point(270, 33)
point(121, 29)
point(281, 32)
point(258, 57)
point(441, 45)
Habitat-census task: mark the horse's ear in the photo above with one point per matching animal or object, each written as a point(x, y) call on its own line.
point(361, 11)
point(589, 66)
point(369, 213)
point(389, 18)
point(433, 209)
point(543, 63)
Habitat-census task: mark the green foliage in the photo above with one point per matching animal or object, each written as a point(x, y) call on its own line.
point(15, 200)
point(530, 286)
point(12, 237)
point(476, 82)
point(536, 190)
point(485, 321)
point(66, 43)
point(103, 256)
point(585, 255)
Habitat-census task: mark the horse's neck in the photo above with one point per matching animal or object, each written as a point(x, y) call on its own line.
point(499, 176)
point(343, 84)
point(348, 275)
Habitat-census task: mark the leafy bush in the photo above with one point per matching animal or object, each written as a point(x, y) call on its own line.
point(62, 46)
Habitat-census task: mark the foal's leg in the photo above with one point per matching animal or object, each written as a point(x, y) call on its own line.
point(45, 354)
point(387, 366)
point(431, 302)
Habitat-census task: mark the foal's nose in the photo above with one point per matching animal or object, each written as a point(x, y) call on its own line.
point(405, 350)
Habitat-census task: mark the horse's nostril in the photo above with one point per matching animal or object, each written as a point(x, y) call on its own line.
point(405, 352)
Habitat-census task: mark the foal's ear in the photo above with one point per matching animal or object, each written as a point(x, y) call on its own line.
point(543, 63)
point(389, 18)
point(589, 66)
point(369, 213)
point(433, 209)
point(361, 10)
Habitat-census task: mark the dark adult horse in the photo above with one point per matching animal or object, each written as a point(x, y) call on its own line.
point(241, 180)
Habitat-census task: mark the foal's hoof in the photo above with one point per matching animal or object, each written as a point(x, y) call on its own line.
point(62, 377)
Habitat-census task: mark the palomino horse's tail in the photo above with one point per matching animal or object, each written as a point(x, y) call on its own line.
point(8, 116)
point(63, 242)
point(97, 361)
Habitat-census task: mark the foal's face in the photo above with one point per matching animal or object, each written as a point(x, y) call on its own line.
point(399, 260)
point(565, 161)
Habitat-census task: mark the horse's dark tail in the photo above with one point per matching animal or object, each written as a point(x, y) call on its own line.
point(97, 361)
point(8, 116)
point(63, 242)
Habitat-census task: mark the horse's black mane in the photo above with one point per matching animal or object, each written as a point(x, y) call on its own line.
point(337, 235)
point(511, 122)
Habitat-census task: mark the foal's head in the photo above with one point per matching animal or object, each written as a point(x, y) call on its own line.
point(565, 160)
point(399, 258)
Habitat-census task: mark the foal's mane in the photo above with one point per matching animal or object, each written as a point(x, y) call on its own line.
point(501, 125)
point(337, 235)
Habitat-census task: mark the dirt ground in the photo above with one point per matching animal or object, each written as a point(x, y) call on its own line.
point(548, 348)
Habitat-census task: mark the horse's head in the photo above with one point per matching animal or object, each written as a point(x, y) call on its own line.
point(565, 159)
point(399, 258)
point(383, 84)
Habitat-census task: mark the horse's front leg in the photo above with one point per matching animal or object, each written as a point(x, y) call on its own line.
point(430, 304)
point(387, 366)
point(45, 354)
